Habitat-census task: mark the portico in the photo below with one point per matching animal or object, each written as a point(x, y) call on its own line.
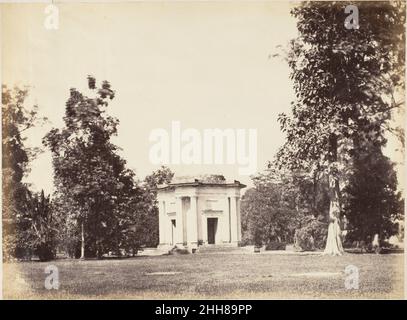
point(198, 211)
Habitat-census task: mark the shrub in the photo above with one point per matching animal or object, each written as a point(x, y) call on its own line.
point(46, 252)
point(275, 245)
point(312, 235)
point(303, 240)
point(9, 247)
point(177, 250)
point(244, 243)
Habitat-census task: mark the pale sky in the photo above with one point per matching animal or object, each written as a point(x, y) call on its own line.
point(205, 64)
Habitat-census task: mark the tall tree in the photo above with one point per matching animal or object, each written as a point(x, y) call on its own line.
point(16, 119)
point(372, 204)
point(343, 81)
point(88, 171)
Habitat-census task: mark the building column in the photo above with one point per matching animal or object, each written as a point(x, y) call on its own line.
point(233, 219)
point(161, 223)
point(192, 222)
point(204, 220)
point(184, 222)
point(239, 220)
point(225, 222)
point(199, 221)
point(179, 221)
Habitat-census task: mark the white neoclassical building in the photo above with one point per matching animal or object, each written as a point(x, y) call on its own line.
point(199, 211)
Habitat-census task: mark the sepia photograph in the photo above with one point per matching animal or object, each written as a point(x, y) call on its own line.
point(203, 150)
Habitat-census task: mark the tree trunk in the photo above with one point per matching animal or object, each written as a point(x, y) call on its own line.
point(334, 241)
point(82, 241)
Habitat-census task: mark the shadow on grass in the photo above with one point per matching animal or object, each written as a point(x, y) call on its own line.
point(382, 251)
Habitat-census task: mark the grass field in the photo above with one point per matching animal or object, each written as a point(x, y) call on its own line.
point(210, 275)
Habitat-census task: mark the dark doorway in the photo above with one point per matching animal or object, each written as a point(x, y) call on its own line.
point(212, 226)
point(173, 226)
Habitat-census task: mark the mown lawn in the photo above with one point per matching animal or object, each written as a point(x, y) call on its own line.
point(210, 275)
